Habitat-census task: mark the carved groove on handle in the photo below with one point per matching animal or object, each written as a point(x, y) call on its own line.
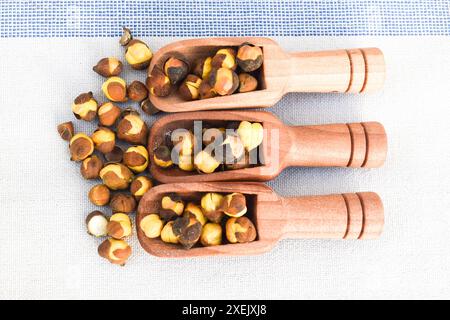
point(352, 144)
point(366, 136)
point(359, 145)
point(364, 215)
point(358, 70)
point(366, 71)
point(349, 219)
point(368, 145)
point(351, 70)
point(355, 216)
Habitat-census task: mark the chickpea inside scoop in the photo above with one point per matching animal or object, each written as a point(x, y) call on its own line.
point(206, 219)
point(254, 228)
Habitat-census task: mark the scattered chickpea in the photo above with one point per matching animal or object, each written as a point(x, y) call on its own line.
point(115, 251)
point(126, 37)
point(119, 226)
point(104, 139)
point(116, 155)
point(108, 67)
point(115, 89)
point(90, 167)
point(99, 195)
point(122, 202)
point(138, 54)
point(108, 113)
point(96, 224)
point(137, 91)
point(136, 158)
point(66, 130)
point(81, 146)
point(116, 176)
point(132, 128)
point(84, 107)
point(139, 186)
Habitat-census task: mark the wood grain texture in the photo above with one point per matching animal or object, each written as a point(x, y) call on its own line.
point(339, 216)
point(334, 145)
point(352, 71)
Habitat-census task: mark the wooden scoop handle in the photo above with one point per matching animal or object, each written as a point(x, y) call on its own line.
point(338, 145)
point(339, 216)
point(352, 70)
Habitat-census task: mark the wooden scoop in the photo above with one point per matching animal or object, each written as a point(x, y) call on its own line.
point(339, 216)
point(332, 145)
point(346, 70)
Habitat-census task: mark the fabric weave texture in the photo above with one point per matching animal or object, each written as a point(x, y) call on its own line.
point(48, 49)
point(172, 18)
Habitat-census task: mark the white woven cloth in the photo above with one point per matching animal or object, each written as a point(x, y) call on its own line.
point(46, 253)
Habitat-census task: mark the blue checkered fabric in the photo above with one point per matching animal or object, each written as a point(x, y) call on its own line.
point(171, 18)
